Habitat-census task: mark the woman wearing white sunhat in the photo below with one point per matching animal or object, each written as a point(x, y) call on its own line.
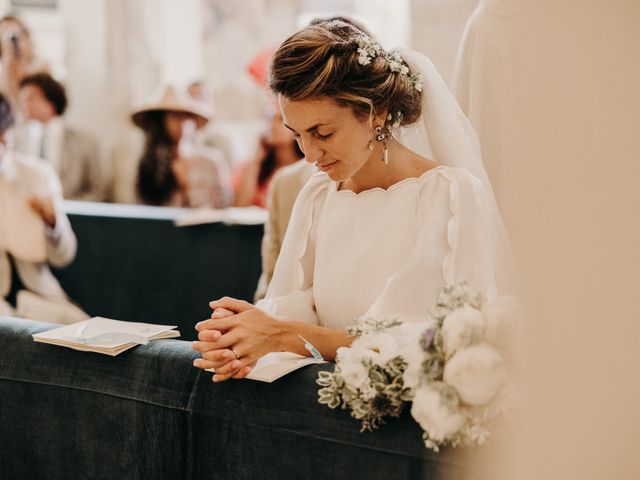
point(173, 169)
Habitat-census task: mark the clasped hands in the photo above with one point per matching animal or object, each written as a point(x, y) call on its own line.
point(235, 337)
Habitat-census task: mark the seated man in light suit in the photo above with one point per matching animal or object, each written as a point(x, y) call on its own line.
point(73, 153)
point(34, 182)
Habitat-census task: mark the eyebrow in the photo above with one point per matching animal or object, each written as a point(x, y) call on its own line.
point(310, 129)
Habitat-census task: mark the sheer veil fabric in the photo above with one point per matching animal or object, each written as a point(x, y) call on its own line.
point(444, 134)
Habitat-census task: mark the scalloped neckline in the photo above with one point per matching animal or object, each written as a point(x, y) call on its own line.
point(391, 188)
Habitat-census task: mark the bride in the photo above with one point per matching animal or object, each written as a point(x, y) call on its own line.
point(401, 205)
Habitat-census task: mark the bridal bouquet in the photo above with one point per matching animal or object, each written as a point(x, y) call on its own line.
point(454, 368)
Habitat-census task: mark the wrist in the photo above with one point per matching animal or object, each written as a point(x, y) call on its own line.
point(287, 337)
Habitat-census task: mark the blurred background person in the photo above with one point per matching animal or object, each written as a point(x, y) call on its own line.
point(276, 149)
point(210, 136)
point(73, 153)
point(17, 57)
point(36, 183)
point(174, 170)
point(276, 146)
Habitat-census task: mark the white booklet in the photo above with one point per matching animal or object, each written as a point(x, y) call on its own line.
point(103, 335)
point(278, 364)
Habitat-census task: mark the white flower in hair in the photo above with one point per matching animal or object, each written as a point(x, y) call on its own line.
point(416, 80)
point(367, 50)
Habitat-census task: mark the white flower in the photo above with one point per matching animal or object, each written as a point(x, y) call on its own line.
point(352, 370)
point(394, 66)
point(407, 336)
point(436, 413)
point(462, 328)
point(418, 86)
point(380, 347)
point(501, 313)
point(363, 58)
point(477, 373)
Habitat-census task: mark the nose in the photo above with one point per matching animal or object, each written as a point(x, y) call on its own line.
point(311, 150)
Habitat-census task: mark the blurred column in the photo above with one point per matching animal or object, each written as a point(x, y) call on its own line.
point(436, 28)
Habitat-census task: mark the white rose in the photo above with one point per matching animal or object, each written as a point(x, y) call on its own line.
point(476, 372)
point(502, 314)
point(438, 417)
point(462, 328)
point(353, 372)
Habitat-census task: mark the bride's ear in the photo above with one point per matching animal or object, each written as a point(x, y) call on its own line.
point(380, 118)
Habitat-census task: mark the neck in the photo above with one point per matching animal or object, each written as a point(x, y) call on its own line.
point(403, 163)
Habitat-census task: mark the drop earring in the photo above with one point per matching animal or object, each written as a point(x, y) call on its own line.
point(382, 137)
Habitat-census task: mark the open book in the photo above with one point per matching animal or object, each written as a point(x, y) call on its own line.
point(278, 364)
point(103, 335)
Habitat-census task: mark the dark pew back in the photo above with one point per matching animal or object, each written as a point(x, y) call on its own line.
point(134, 264)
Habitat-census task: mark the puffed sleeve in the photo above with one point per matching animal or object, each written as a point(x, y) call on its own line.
point(455, 242)
point(290, 293)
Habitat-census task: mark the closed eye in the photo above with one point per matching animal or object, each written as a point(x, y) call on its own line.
point(322, 137)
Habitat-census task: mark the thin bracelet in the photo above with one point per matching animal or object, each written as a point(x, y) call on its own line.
point(313, 350)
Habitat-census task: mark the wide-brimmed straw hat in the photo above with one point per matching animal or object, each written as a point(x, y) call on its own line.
point(170, 100)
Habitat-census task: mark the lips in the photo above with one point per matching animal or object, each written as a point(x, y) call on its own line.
point(327, 166)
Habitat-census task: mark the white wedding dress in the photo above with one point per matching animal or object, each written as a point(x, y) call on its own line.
point(382, 254)
point(385, 254)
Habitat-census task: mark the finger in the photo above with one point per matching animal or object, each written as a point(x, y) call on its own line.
point(220, 378)
point(219, 355)
point(242, 373)
point(229, 368)
point(221, 312)
point(225, 323)
point(231, 304)
point(209, 335)
point(228, 340)
point(208, 364)
point(204, 347)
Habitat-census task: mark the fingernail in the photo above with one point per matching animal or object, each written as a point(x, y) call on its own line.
point(196, 363)
point(198, 325)
point(215, 379)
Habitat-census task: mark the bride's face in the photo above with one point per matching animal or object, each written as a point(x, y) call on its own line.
point(330, 135)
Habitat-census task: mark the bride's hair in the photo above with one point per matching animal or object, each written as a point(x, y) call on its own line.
point(322, 60)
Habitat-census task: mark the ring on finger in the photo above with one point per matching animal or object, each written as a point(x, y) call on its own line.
point(236, 354)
